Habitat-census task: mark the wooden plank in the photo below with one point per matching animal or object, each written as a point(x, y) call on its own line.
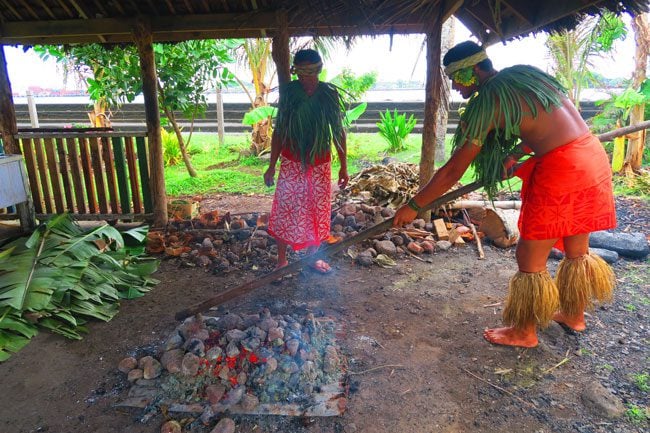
point(76, 170)
point(65, 174)
point(42, 172)
point(98, 173)
point(120, 172)
point(109, 169)
point(32, 173)
point(86, 164)
point(105, 217)
point(441, 229)
point(131, 160)
point(54, 175)
point(143, 163)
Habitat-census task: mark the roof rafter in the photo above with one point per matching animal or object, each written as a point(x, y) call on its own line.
point(47, 9)
point(12, 9)
point(65, 8)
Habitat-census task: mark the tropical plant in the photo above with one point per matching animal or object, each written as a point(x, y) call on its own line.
point(572, 51)
point(185, 70)
point(395, 128)
point(62, 276)
point(171, 151)
point(354, 87)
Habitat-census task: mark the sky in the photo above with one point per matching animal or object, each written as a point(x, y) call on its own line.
point(405, 60)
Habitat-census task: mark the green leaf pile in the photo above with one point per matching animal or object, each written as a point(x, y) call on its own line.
point(62, 276)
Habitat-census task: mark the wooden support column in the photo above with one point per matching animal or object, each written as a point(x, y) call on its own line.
point(144, 42)
point(280, 49)
point(8, 126)
point(432, 100)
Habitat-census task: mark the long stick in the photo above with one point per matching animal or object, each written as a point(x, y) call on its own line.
point(608, 136)
point(323, 252)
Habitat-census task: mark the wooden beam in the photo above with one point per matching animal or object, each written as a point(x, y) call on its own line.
point(47, 9)
point(99, 5)
point(65, 8)
point(79, 9)
point(431, 99)
point(31, 11)
point(170, 6)
point(144, 42)
point(8, 126)
point(280, 50)
point(12, 9)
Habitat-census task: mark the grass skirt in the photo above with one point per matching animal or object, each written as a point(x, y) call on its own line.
point(532, 299)
point(581, 281)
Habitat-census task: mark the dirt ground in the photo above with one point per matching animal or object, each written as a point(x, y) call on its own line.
point(413, 340)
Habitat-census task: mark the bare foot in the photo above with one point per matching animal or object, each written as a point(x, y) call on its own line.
point(577, 323)
point(321, 266)
point(512, 336)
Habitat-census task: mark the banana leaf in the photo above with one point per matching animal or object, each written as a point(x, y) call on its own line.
point(62, 275)
point(258, 114)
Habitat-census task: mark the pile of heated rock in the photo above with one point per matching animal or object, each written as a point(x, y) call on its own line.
point(245, 364)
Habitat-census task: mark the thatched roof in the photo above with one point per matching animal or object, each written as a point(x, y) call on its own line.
point(110, 21)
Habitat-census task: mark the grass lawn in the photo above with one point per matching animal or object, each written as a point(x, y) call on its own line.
point(223, 169)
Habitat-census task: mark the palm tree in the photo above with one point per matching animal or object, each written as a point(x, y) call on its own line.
point(573, 50)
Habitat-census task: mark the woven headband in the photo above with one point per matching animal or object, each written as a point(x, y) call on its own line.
point(466, 62)
point(307, 68)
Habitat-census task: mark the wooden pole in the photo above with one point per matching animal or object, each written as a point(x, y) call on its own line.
point(323, 252)
point(608, 136)
point(280, 49)
point(220, 126)
point(33, 114)
point(431, 103)
point(8, 126)
point(144, 42)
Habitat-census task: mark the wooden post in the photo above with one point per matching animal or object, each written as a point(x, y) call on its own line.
point(280, 49)
point(8, 126)
point(33, 114)
point(220, 125)
point(634, 154)
point(144, 42)
point(431, 102)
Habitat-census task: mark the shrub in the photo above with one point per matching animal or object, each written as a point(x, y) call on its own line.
point(395, 128)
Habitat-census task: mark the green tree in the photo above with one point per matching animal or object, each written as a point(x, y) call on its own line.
point(186, 71)
point(572, 51)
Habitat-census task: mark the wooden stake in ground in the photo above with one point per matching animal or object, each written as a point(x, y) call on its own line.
point(323, 252)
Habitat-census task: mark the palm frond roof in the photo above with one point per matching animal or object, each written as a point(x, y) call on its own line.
point(31, 22)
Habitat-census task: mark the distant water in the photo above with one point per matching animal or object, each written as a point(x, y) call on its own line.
point(397, 95)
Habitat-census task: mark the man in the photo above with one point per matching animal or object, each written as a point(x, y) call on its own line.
point(566, 191)
point(309, 119)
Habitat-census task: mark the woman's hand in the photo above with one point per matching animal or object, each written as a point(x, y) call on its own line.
point(343, 178)
point(404, 215)
point(269, 175)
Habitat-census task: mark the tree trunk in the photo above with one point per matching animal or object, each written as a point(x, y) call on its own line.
point(144, 42)
point(280, 50)
point(432, 101)
point(634, 154)
point(447, 41)
point(8, 126)
point(181, 143)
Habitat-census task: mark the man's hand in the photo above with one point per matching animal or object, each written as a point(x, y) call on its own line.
point(509, 166)
point(343, 178)
point(404, 215)
point(269, 175)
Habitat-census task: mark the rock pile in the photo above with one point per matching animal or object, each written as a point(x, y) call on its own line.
point(245, 364)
